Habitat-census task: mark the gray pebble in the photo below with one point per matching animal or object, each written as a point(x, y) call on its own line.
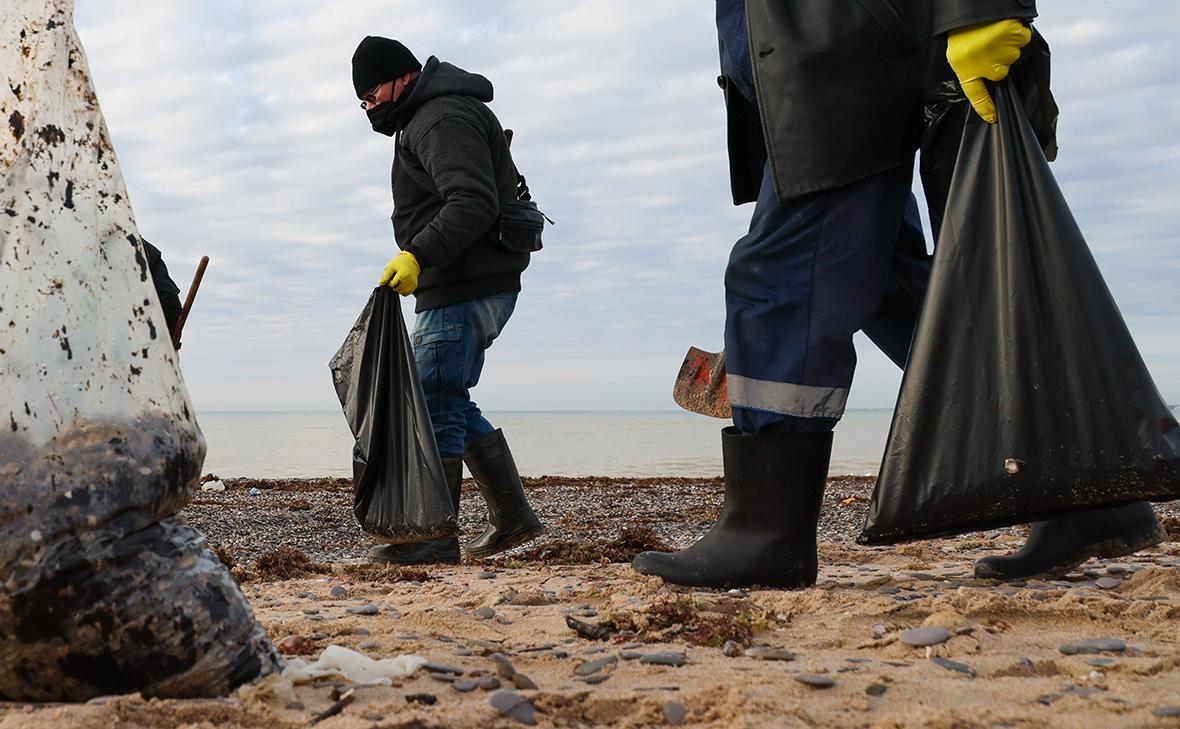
point(486, 575)
point(665, 658)
point(591, 667)
point(368, 644)
point(595, 679)
point(445, 677)
point(523, 682)
point(876, 689)
point(504, 666)
point(630, 655)
point(488, 683)
point(675, 713)
point(1094, 645)
point(511, 704)
point(443, 668)
point(955, 666)
point(732, 649)
point(255, 492)
point(1099, 662)
point(338, 592)
point(1166, 712)
point(631, 645)
point(484, 613)
point(815, 681)
point(1116, 569)
point(765, 653)
point(463, 685)
point(1108, 583)
point(463, 652)
point(393, 612)
point(369, 609)
point(888, 590)
point(360, 631)
point(311, 611)
point(316, 636)
point(921, 637)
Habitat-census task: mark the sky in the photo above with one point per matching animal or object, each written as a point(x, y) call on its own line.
point(240, 137)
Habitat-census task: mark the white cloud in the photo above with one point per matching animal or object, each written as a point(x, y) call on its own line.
point(240, 137)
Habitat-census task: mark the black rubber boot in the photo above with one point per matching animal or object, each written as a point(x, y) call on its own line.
point(511, 521)
point(432, 551)
point(765, 535)
point(1056, 546)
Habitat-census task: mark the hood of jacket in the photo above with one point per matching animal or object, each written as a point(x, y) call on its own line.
point(439, 78)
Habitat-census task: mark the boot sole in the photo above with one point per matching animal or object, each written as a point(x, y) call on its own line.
point(511, 542)
point(1123, 546)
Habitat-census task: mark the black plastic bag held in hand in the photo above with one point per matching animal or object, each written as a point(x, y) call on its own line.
point(399, 490)
point(1025, 396)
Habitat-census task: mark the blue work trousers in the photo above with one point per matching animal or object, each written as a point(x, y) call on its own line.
point(449, 345)
point(811, 273)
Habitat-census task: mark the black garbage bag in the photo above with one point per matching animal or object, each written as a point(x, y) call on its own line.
point(1024, 396)
point(399, 491)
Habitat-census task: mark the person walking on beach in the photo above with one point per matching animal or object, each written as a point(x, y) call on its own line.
point(451, 169)
point(824, 114)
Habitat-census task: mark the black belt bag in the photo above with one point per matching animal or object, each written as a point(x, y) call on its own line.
point(521, 225)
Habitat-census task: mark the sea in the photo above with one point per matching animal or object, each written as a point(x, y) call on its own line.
point(597, 443)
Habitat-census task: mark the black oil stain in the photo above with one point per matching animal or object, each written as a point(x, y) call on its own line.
point(65, 345)
point(135, 371)
point(139, 259)
point(16, 122)
point(151, 328)
point(51, 134)
point(69, 194)
point(53, 177)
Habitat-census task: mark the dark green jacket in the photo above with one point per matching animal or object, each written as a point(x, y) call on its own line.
point(840, 85)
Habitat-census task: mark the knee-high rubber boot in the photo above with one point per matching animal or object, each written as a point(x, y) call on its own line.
point(432, 551)
point(765, 535)
point(1058, 545)
point(511, 521)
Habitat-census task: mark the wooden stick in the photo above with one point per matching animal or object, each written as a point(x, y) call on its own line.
point(188, 302)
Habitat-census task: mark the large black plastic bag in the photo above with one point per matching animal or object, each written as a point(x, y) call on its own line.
point(399, 490)
point(1025, 396)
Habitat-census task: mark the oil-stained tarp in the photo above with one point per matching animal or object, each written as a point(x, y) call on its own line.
point(101, 591)
point(1024, 396)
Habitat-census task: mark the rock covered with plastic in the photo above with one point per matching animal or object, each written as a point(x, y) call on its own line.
point(101, 591)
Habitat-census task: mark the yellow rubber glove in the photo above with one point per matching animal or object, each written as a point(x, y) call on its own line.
point(401, 274)
point(984, 52)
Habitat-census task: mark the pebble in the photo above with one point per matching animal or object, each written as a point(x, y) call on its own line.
point(766, 653)
point(675, 713)
point(1166, 712)
point(311, 611)
point(523, 682)
point(732, 649)
point(446, 677)
point(665, 658)
point(393, 612)
point(1094, 645)
point(928, 635)
point(814, 681)
point(591, 667)
point(876, 689)
point(630, 655)
point(484, 613)
point(488, 683)
point(443, 668)
point(486, 575)
point(1108, 583)
point(596, 679)
point(1099, 662)
point(1116, 569)
point(504, 666)
point(360, 631)
point(369, 609)
point(296, 645)
point(338, 592)
point(955, 666)
point(367, 645)
point(888, 590)
point(513, 705)
point(255, 492)
point(463, 685)
point(316, 636)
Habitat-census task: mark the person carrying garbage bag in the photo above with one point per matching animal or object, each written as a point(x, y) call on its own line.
point(451, 170)
point(824, 107)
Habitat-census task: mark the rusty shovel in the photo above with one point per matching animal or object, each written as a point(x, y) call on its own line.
point(701, 386)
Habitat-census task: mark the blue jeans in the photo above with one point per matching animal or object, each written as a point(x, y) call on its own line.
point(812, 272)
point(449, 345)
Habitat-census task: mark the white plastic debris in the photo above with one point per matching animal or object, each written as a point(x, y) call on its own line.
point(356, 667)
point(213, 486)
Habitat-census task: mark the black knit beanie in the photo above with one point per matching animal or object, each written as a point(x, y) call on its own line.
point(378, 60)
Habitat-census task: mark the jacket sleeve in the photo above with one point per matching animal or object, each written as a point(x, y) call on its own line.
point(951, 14)
point(459, 161)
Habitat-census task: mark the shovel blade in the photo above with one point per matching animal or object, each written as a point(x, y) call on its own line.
point(701, 387)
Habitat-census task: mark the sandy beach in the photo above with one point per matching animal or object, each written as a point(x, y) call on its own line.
point(604, 646)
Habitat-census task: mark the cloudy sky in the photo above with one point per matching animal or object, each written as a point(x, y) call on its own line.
point(240, 137)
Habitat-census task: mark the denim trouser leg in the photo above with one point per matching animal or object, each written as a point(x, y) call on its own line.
point(449, 345)
point(810, 273)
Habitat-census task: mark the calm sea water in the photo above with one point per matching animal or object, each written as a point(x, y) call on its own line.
point(668, 443)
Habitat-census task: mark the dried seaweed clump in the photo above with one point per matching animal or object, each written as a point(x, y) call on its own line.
point(684, 619)
point(631, 541)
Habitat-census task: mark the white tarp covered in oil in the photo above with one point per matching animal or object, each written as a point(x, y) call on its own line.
point(101, 591)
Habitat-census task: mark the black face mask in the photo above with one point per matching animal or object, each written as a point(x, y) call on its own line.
point(384, 118)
